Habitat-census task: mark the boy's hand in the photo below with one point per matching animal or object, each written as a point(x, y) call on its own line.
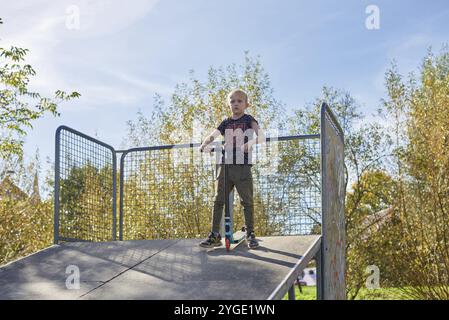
point(206, 148)
point(245, 147)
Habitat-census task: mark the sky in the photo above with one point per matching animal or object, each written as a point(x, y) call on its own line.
point(119, 54)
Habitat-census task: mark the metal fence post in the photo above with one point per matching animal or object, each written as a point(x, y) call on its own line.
point(122, 166)
point(291, 292)
point(319, 273)
point(114, 196)
point(56, 191)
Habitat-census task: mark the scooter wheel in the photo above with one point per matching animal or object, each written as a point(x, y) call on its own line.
point(228, 245)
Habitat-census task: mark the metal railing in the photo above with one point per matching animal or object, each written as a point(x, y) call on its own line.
point(85, 188)
point(168, 191)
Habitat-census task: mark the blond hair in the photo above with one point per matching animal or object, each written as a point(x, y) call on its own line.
point(240, 92)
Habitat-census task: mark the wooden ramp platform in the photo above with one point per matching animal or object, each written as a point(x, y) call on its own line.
point(160, 269)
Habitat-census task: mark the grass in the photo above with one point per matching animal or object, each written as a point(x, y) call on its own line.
point(381, 294)
point(309, 293)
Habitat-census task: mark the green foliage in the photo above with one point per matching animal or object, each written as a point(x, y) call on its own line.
point(366, 147)
point(307, 120)
point(25, 227)
point(372, 231)
point(26, 221)
point(86, 203)
point(308, 293)
point(19, 107)
point(419, 109)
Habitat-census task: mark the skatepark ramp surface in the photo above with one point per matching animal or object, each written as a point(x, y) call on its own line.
point(159, 269)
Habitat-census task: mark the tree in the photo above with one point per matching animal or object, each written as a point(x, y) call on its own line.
point(418, 108)
point(367, 146)
point(372, 231)
point(19, 106)
point(85, 209)
point(26, 223)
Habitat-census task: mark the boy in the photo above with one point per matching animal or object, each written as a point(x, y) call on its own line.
point(237, 131)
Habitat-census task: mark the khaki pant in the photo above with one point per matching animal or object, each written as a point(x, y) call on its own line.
point(240, 177)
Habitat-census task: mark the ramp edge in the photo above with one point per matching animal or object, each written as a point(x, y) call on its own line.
point(27, 256)
point(283, 287)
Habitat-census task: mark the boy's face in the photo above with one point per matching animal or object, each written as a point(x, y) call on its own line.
point(237, 103)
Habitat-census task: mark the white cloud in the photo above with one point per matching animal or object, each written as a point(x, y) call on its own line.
point(44, 19)
point(103, 96)
point(141, 83)
point(40, 26)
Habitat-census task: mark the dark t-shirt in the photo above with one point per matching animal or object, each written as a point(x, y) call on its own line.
point(238, 131)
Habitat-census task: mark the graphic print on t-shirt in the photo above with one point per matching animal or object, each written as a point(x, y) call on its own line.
point(238, 129)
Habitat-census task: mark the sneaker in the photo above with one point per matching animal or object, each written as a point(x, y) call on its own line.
point(251, 240)
point(213, 240)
